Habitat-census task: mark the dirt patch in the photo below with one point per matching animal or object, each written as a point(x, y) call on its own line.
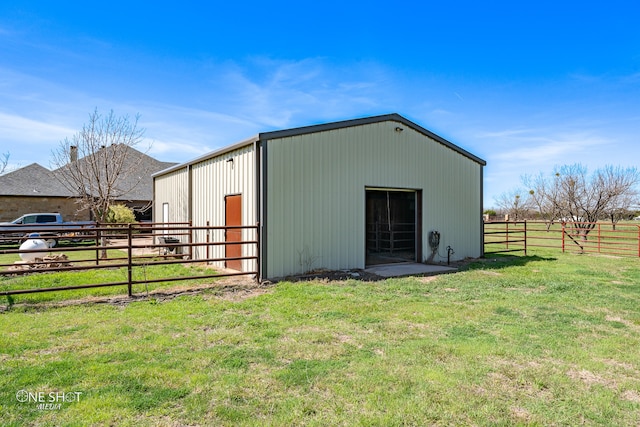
point(364, 275)
point(231, 293)
point(620, 320)
point(233, 288)
point(490, 273)
point(621, 365)
point(334, 276)
point(589, 378)
point(427, 279)
point(631, 396)
point(520, 414)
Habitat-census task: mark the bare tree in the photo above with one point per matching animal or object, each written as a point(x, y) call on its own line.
point(579, 199)
point(4, 162)
point(624, 192)
point(98, 163)
point(544, 195)
point(514, 204)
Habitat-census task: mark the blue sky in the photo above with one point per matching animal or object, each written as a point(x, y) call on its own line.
point(524, 85)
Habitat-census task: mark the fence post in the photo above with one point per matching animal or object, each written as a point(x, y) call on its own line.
point(563, 237)
point(506, 234)
point(191, 239)
point(129, 260)
point(208, 238)
point(98, 240)
point(258, 273)
point(525, 237)
point(599, 237)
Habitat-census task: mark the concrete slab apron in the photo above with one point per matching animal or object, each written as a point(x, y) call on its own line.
point(408, 269)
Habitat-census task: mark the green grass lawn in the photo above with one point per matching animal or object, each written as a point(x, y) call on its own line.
point(547, 339)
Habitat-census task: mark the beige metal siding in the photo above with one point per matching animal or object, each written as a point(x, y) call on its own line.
point(172, 188)
point(212, 180)
point(315, 194)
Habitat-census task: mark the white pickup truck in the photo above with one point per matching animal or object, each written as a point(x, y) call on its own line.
point(49, 226)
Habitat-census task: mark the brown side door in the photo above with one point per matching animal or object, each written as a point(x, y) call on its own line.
point(233, 216)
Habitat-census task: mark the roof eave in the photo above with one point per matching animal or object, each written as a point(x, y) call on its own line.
point(365, 121)
point(265, 136)
point(208, 156)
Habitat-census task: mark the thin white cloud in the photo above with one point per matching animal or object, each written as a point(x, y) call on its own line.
point(22, 130)
point(239, 100)
point(277, 93)
point(517, 152)
point(506, 133)
point(184, 133)
point(166, 150)
point(551, 148)
point(441, 112)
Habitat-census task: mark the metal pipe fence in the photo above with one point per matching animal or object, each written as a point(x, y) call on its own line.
point(621, 239)
point(126, 246)
point(505, 236)
point(390, 237)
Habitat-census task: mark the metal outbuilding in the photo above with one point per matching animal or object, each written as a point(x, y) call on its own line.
point(335, 196)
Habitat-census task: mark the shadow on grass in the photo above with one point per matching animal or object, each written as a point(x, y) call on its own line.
point(498, 261)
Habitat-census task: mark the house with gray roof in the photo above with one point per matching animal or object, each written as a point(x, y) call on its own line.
point(35, 188)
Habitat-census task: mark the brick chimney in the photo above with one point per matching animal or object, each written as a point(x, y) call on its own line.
point(73, 153)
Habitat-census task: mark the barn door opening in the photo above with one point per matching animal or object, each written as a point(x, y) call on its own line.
point(233, 216)
point(393, 219)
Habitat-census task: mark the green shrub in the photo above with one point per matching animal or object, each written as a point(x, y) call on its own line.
point(121, 214)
